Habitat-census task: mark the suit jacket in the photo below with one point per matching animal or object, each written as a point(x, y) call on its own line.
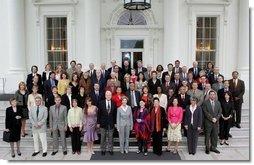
point(105, 119)
point(209, 113)
point(29, 79)
point(47, 88)
point(221, 94)
point(128, 70)
point(152, 86)
point(106, 75)
point(212, 79)
point(216, 86)
point(41, 119)
point(58, 120)
point(11, 122)
point(124, 118)
point(166, 73)
point(176, 87)
point(143, 70)
point(200, 87)
point(66, 101)
point(195, 76)
point(199, 94)
point(96, 100)
point(43, 77)
point(137, 96)
point(183, 103)
point(197, 117)
point(101, 82)
point(165, 89)
point(239, 90)
point(179, 71)
point(183, 78)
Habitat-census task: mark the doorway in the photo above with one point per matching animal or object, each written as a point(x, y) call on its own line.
point(132, 57)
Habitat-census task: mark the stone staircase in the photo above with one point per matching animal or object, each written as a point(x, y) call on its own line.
point(240, 138)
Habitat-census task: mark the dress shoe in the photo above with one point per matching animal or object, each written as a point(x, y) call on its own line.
point(44, 154)
point(13, 155)
point(111, 152)
point(78, 152)
point(65, 152)
point(207, 151)
point(216, 151)
point(53, 153)
point(35, 153)
point(73, 152)
point(238, 126)
point(103, 152)
point(19, 153)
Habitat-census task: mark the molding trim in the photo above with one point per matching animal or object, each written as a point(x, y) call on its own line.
point(55, 2)
point(212, 2)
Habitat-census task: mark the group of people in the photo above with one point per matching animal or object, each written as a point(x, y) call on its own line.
point(178, 102)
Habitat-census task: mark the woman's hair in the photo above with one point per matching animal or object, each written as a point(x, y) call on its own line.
point(86, 106)
point(22, 83)
point(141, 73)
point(64, 73)
point(124, 97)
point(12, 99)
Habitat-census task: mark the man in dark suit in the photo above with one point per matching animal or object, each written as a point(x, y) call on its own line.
point(237, 87)
point(212, 113)
point(133, 97)
point(213, 77)
point(201, 86)
point(195, 70)
point(177, 82)
point(49, 84)
point(91, 70)
point(29, 80)
point(167, 85)
point(126, 68)
point(118, 73)
point(177, 68)
point(104, 73)
point(106, 121)
point(184, 73)
point(98, 79)
point(67, 98)
point(140, 67)
point(168, 72)
point(96, 95)
point(221, 92)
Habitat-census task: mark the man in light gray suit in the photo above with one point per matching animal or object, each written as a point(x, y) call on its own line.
point(38, 117)
point(58, 122)
point(212, 113)
point(219, 85)
point(195, 92)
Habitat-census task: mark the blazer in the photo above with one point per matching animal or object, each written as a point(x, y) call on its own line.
point(195, 76)
point(197, 117)
point(124, 118)
point(95, 100)
point(179, 70)
point(102, 82)
point(106, 75)
point(105, 119)
point(58, 120)
point(143, 70)
point(216, 86)
point(19, 98)
point(182, 77)
point(199, 94)
point(66, 101)
point(47, 88)
point(11, 122)
point(164, 75)
point(29, 79)
point(137, 96)
point(43, 77)
point(209, 113)
point(73, 118)
point(128, 70)
point(221, 94)
point(42, 119)
point(211, 78)
point(152, 86)
point(239, 91)
point(183, 103)
point(165, 89)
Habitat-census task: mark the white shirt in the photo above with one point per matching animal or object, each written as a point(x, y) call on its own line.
point(192, 109)
point(69, 97)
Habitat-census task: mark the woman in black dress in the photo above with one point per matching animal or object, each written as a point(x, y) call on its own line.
point(13, 125)
point(21, 97)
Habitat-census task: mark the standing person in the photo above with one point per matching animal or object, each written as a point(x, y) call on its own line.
point(46, 74)
point(21, 97)
point(133, 97)
point(158, 125)
point(38, 118)
point(63, 83)
point(142, 127)
point(48, 85)
point(107, 122)
point(237, 88)
point(13, 125)
point(58, 123)
point(32, 96)
point(74, 84)
point(124, 124)
point(89, 124)
point(86, 82)
point(175, 116)
point(75, 119)
point(163, 97)
point(153, 83)
point(141, 82)
point(193, 123)
point(117, 97)
point(196, 93)
point(35, 81)
point(59, 70)
point(195, 70)
point(72, 69)
point(147, 97)
point(81, 97)
point(29, 79)
point(227, 106)
point(212, 113)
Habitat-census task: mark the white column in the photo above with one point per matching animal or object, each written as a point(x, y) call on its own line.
point(16, 14)
point(92, 33)
point(171, 31)
point(16, 42)
point(243, 49)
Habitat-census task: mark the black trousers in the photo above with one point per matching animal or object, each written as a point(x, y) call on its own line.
point(192, 139)
point(75, 140)
point(157, 142)
point(238, 112)
point(142, 144)
point(224, 128)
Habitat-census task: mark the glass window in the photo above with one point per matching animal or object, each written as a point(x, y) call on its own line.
point(132, 44)
point(57, 41)
point(206, 40)
point(132, 18)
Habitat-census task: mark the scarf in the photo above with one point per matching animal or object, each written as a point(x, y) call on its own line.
point(158, 119)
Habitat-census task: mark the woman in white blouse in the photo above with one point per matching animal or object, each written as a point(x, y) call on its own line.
point(162, 97)
point(32, 96)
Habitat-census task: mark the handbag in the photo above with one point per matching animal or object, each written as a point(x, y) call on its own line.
point(6, 136)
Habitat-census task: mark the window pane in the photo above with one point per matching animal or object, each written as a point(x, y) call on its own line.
point(199, 21)
point(213, 33)
point(213, 22)
point(207, 22)
point(199, 32)
point(130, 44)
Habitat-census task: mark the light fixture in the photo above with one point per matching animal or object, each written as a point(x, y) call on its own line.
point(137, 4)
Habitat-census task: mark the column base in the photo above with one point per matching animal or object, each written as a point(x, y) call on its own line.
point(10, 81)
point(244, 74)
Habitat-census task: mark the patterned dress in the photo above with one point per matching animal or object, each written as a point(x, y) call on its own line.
point(90, 122)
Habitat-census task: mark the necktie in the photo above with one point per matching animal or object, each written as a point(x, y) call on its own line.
point(183, 97)
point(37, 112)
point(213, 105)
point(108, 108)
point(97, 95)
point(195, 71)
point(132, 99)
point(91, 72)
point(234, 83)
point(216, 77)
point(149, 75)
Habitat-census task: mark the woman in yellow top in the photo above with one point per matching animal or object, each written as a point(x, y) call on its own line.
point(63, 84)
point(75, 119)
